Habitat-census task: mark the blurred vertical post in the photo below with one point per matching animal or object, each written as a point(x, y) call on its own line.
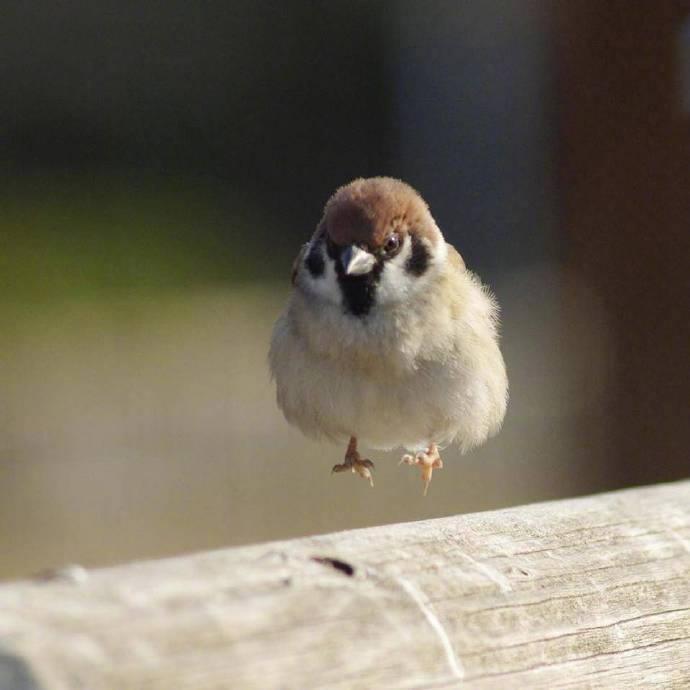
point(625, 176)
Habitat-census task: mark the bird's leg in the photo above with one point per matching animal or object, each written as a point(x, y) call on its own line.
point(355, 463)
point(429, 460)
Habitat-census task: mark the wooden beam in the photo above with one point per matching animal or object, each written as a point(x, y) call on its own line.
point(590, 592)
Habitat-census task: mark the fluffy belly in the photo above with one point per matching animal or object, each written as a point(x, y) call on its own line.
point(383, 412)
point(387, 402)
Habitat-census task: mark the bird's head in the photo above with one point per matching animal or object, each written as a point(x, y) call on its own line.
point(375, 245)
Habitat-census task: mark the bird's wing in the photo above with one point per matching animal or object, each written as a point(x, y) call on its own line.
point(297, 262)
point(456, 261)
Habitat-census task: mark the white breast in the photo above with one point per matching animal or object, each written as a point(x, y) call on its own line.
point(426, 371)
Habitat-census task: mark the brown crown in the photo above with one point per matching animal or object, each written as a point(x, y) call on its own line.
point(366, 211)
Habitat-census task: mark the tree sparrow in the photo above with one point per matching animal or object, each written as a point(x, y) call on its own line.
point(387, 338)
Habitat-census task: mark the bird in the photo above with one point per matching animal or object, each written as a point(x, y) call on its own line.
point(387, 339)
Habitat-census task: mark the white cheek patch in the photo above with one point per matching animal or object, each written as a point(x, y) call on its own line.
point(441, 252)
point(397, 283)
point(325, 286)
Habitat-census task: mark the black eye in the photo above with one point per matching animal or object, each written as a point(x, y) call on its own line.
point(391, 244)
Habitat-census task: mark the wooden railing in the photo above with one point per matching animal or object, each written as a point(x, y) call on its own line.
point(584, 593)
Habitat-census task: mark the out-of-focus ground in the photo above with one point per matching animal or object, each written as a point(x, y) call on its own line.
point(142, 426)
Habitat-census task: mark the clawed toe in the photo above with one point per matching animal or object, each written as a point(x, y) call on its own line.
point(428, 461)
point(356, 464)
point(363, 469)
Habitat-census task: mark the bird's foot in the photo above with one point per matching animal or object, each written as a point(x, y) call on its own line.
point(428, 460)
point(355, 463)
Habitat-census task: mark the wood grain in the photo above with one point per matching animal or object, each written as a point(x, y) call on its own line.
point(591, 592)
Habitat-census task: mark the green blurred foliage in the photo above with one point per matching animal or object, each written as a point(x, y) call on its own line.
point(66, 236)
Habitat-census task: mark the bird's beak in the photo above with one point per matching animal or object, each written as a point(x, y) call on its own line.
point(356, 261)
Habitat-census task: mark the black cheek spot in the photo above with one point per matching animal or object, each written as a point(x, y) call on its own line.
point(418, 262)
point(315, 263)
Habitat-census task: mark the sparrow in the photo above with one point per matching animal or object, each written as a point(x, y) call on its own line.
point(387, 339)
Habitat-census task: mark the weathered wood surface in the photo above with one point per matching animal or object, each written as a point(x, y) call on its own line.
point(591, 592)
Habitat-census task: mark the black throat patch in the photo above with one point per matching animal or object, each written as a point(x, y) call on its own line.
point(359, 292)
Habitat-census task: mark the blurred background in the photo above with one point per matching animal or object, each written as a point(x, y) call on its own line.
point(161, 164)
